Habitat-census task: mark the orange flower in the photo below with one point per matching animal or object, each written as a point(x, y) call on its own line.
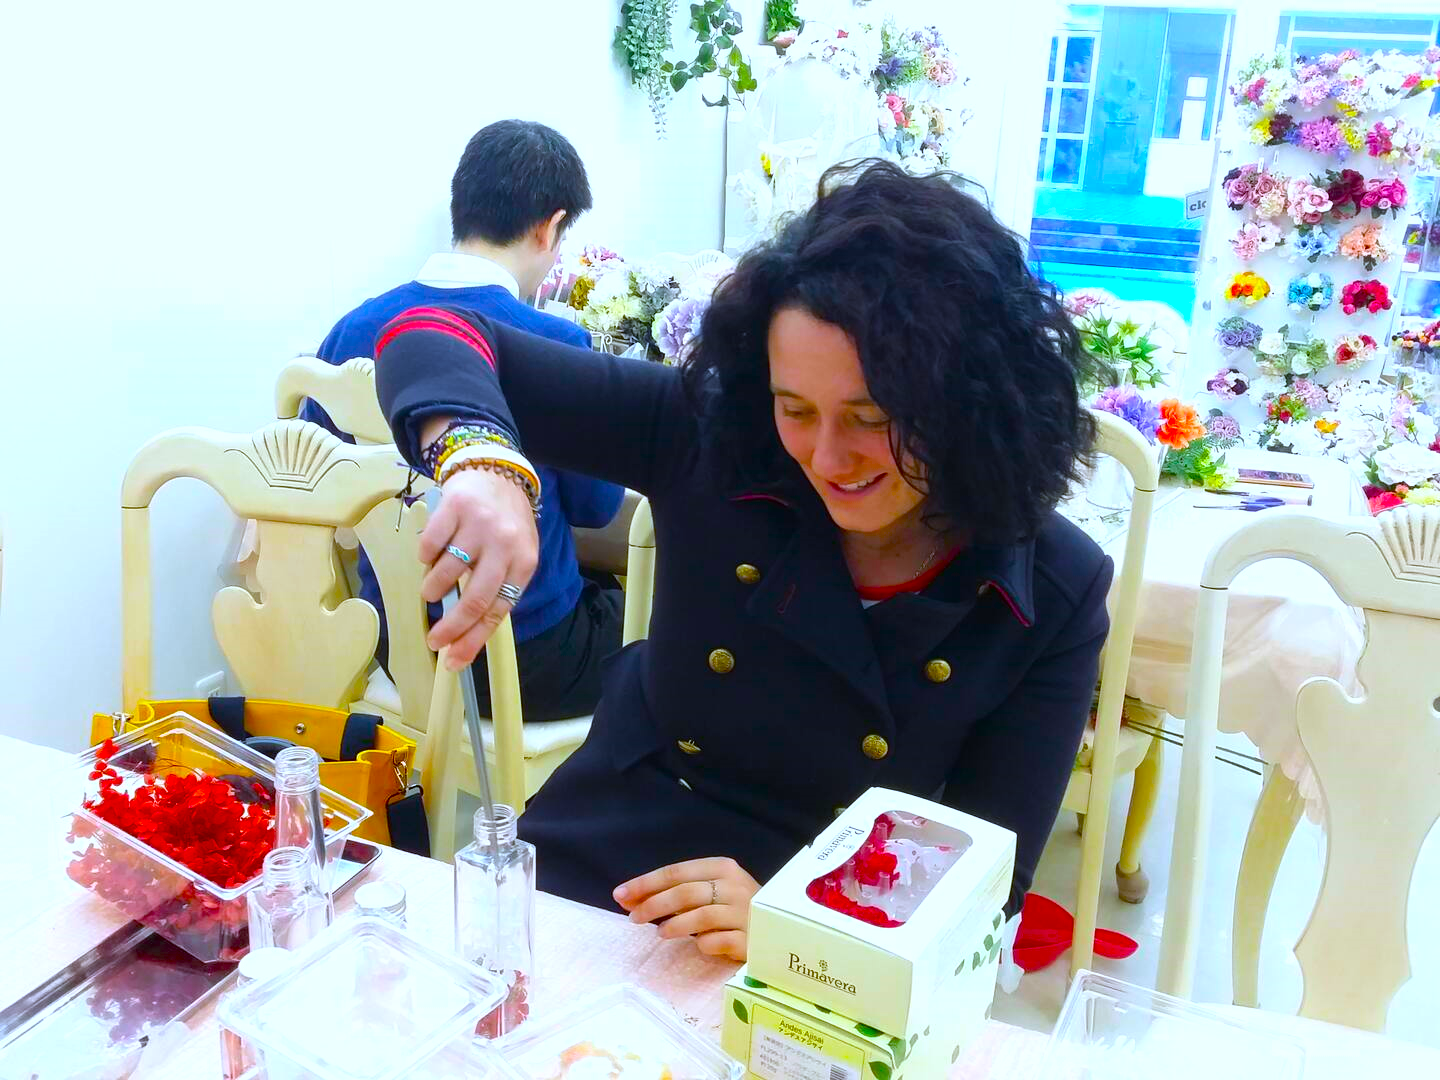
point(1179, 424)
point(1327, 427)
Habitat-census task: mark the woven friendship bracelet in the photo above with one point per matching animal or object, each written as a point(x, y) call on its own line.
point(460, 433)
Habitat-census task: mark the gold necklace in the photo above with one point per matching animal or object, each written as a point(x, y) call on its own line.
point(931, 557)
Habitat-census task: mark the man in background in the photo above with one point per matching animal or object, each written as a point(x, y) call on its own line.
point(518, 187)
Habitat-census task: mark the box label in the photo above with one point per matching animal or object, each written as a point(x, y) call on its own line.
point(781, 1049)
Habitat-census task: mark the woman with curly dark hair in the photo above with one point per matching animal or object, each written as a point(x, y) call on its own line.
point(861, 576)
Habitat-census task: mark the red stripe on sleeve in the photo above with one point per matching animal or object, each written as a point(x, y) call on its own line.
point(460, 324)
point(472, 340)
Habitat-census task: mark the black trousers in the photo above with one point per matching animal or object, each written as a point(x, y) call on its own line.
point(560, 668)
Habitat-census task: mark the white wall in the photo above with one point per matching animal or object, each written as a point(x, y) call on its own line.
point(191, 195)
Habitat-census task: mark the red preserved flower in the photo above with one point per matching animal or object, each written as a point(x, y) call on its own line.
point(201, 822)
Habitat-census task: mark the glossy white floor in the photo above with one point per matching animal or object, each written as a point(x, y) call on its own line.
point(1415, 1014)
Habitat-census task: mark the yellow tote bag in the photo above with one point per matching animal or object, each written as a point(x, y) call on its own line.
point(360, 758)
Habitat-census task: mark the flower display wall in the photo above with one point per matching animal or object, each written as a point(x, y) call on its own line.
point(1317, 167)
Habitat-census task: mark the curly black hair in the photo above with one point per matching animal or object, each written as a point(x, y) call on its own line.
point(969, 354)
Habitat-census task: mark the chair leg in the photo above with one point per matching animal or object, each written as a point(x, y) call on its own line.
point(1276, 815)
point(1132, 881)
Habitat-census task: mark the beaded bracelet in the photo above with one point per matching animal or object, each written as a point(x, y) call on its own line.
point(461, 433)
point(508, 471)
point(456, 445)
point(491, 452)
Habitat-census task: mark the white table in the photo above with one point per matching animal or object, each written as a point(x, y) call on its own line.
point(1285, 624)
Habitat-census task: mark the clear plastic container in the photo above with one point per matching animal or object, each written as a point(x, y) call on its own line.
point(639, 1035)
point(209, 922)
point(364, 1001)
point(1110, 1030)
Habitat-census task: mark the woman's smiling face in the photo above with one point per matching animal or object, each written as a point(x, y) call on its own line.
point(828, 423)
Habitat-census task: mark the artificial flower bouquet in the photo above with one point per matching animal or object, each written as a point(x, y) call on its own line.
point(1315, 103)
point(1119, 343)
point(621, 300)
point(173, 826)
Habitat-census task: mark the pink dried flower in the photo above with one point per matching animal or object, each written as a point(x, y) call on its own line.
point(1308, 204)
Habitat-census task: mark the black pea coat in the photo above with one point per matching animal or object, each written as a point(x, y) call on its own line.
point(766, 697)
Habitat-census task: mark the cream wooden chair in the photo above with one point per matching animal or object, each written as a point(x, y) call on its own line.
point(347, 394)
point(345, 391)
point(300, 484)
point(405, 698)
point(1118, 748)
point(1376, 757)
point(510, 745)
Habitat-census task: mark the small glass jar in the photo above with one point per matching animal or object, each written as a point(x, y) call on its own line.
point(495, 913)
point(287, 908)
point(383, 899)
point(299, 816)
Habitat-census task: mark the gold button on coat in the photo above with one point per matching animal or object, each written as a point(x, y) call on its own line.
point(748, 575)
point(722, 661)
point(937, 671)
point(875, 747)
point(689, 748)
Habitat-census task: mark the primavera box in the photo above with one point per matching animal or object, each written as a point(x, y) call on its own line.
point(893, 909)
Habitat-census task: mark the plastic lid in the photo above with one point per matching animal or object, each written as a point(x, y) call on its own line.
point(260, 964)
point(386, 896)
point(363, 1001)
point(637, 1035)
point(1110, 1030)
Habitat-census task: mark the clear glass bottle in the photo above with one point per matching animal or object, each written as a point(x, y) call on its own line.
point(236, 1058)
point(299, 815)
point(495, 913)
point(287, 908)
point(383, 899)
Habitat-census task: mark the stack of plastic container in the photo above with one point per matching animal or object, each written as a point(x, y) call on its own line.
point(365, 1001)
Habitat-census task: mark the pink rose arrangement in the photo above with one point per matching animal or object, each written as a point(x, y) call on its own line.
point(1371, 296)
point(1383, 196)
point(1352, 350)
point(1366, 243)
point(1239, 186)
point(1308, 204)
point(1254, 239)
point(897, 106)
point(1268, 197)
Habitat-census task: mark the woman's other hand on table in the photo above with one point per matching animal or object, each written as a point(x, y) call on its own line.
point(488, 518)
point(707, 899)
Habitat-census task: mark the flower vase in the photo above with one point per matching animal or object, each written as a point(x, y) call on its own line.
point(1109, 487)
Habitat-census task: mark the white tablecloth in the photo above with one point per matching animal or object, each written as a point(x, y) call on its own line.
point(1285, 623)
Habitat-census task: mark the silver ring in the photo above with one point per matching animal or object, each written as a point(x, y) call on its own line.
point(459, 553)
point(714, 892)
point(509, 593)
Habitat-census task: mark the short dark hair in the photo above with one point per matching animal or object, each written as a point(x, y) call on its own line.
point(513, 175)
point(970, 355)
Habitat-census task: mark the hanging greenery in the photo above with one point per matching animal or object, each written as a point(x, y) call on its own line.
point(717, 26)
point(780, 16)
point(642, 39)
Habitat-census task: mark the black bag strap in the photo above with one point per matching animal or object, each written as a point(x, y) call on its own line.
point(359, 734)
point(229, 714)
point(409, 829)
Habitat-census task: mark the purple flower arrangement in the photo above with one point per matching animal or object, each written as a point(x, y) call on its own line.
point(1237, 332)
point(1126, 403)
